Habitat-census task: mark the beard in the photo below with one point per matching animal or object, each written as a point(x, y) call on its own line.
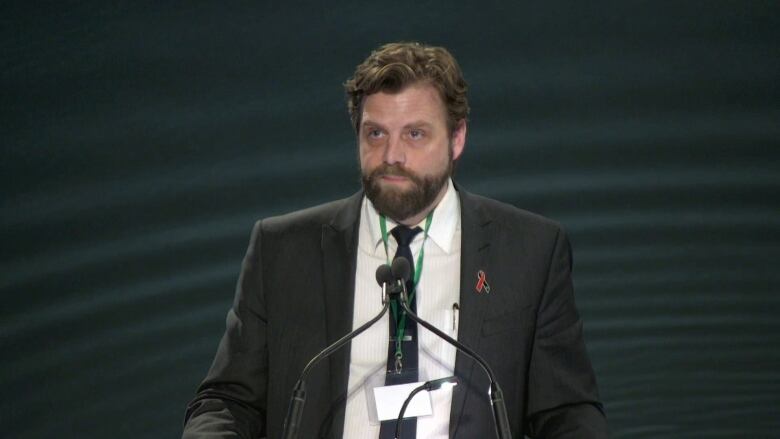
point(398, 204)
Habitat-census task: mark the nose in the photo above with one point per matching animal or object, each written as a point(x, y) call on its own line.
point(394, 151)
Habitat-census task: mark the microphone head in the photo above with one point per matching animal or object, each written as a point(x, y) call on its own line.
point(384, 275)
point(401, 269)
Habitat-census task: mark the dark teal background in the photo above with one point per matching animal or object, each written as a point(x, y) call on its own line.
point(141, 142)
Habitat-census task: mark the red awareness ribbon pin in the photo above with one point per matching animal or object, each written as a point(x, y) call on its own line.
point(482, 283)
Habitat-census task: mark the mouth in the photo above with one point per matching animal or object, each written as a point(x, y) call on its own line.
point(394, 178)
point(396, 182)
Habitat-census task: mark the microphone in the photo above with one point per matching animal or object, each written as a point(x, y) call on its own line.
point(402, 272)
point(292, 422)
point(384, 277)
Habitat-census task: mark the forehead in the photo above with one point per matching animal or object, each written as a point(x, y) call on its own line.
point(418, 102)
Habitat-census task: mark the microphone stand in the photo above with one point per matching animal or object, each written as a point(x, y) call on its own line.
point(496, 395)
point(292, 421)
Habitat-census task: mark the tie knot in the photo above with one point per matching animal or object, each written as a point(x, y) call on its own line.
point(404, 235)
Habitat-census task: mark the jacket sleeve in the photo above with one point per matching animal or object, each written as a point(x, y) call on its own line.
point(563, 399)
point(231, 401)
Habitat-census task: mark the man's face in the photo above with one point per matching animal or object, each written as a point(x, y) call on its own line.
point(406, 151)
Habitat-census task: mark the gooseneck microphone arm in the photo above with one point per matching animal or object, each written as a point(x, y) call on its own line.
point(427, 386)
point(401, 270)
point(292, 422)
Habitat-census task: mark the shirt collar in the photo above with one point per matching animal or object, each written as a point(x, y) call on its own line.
point(446, 219)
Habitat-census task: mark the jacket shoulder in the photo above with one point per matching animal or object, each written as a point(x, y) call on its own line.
point(510, 216)
point(311, 218)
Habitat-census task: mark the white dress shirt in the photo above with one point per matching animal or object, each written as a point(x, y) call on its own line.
point(437, 292)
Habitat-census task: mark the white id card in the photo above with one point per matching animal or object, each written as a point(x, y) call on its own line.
point(389, 400)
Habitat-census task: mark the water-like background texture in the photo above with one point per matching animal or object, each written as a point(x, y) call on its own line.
point(141, 142)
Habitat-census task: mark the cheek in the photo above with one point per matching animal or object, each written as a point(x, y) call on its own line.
point(368, 157)
point(432, 162)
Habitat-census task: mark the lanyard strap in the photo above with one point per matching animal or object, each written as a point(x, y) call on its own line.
point(421, 256)
point(401, 323)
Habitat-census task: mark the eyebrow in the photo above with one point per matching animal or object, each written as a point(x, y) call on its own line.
point(370, 123)
point(419, 124)
point(415, 124)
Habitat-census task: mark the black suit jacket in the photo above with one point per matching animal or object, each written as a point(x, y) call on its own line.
point(295, 296)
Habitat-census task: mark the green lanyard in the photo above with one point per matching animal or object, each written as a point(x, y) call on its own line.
point(401, 324)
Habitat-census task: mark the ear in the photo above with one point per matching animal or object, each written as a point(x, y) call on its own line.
point(458, 139)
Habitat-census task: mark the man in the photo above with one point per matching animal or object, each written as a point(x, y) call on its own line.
point(495, 277)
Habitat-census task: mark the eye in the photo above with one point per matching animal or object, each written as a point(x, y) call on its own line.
point(416, 134)
point(374, 133)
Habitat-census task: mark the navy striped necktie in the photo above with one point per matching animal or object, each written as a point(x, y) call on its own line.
point(403, 236)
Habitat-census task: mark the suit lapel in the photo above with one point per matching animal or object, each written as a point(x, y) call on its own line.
point(476, 236)
point(339, 251)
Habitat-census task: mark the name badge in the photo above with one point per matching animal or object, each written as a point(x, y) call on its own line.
point(389, 400)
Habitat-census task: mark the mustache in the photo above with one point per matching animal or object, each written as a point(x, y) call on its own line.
point(392, 170)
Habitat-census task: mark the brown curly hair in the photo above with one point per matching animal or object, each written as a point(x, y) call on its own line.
point(397, 65)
